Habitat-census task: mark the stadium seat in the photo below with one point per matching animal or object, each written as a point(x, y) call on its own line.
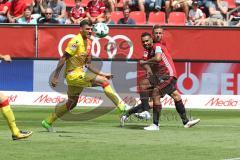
point(139, 17)
point(69, 3)
point(116, 15)
point(177, 19)
point(156, 18)
point(231, 4)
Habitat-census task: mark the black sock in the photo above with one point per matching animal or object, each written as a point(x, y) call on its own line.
point(144, 99)
point(181, 111)
point(156, 113)
point(137, 109)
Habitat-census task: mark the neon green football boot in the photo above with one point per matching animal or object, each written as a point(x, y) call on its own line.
point(47, 126)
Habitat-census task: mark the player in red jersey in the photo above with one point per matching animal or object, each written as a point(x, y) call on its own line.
point(161, 76)
point(142, 109)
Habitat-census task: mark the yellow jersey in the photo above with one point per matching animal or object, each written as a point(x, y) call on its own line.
point(79, 49)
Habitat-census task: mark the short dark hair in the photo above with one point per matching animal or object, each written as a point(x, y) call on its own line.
point(85, 22)
point(146, 34)
point(156, 27)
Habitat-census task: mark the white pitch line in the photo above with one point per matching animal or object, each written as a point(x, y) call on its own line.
point(233, 158)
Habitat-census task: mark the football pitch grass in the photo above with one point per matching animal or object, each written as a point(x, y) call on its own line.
point(217, 137)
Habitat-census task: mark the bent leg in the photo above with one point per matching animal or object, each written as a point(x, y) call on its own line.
point(73, 95)
point(110, 93)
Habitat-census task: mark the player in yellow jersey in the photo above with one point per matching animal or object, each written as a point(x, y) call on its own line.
point(77, 57)
point(8, 114)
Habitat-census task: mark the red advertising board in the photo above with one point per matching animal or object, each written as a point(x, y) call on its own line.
point(125, 42)
point(18, 41)
point(204, 43)
point(49, 38)
point(184, 43)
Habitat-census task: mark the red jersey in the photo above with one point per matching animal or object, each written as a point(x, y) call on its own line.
point(77, 12)
point(97, 9)
point(17, 7)
point(4, 4)
point(166, 66)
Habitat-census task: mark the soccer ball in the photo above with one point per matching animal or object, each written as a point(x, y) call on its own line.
point(101, 30)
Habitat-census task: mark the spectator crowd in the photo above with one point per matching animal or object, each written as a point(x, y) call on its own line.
point(166, 12)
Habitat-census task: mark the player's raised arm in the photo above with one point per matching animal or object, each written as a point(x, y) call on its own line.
point(5, 57)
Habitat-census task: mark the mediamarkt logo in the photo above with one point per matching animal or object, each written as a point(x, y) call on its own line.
point(45, 98)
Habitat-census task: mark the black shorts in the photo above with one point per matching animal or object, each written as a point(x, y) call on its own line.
point(166, 85)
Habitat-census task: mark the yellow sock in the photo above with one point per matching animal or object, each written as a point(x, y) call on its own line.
point(9, 116)
point(112, 95)
point(58, 112)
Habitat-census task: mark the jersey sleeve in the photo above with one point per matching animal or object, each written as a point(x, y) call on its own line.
point(145, 55)
point(72, 46)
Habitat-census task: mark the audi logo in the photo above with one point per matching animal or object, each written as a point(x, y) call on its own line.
point(111, 47)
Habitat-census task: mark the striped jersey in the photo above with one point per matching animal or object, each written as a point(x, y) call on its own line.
point(166, 66)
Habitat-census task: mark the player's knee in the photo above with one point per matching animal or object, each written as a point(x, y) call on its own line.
point(4, 103)
point(71, 104)
point(157, 107)
point(105, 83)
point(156, 101)
point(176, 96)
